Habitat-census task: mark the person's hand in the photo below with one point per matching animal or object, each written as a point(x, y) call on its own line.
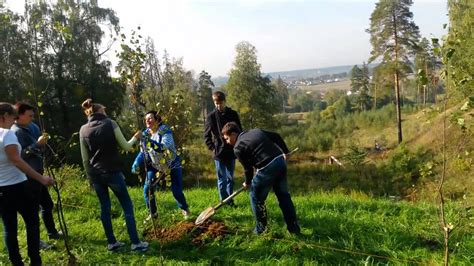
point(47, 180)
point(135, 169)
point(43, 139)
point(245, 185)
point(138, 135)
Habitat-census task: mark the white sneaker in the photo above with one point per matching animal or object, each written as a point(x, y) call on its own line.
point(186, 214)
point(44, 245)
point(115, 246)
point(141, 246)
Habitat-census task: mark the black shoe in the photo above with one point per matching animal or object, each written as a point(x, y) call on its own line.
point(55, 236)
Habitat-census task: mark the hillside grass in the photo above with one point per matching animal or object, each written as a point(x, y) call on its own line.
point(337, 228)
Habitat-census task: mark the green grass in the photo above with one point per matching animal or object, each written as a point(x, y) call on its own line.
point(337, 228)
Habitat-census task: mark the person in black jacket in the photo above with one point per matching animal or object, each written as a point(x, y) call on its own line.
point(224, 157)
point(267, 152)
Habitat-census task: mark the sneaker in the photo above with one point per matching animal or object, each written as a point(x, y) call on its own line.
point(56, 236)
point(44, 245)
point(186, 214)
point(141, 246)
point(115, 246)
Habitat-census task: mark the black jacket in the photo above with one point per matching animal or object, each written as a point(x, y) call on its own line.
point(257, 148)
point(212, 133)
point(98, 135)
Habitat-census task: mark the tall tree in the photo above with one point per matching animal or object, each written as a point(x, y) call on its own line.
point(425, 63)
point(13, 55)
point(460, 44)
point(64, 45)
point(205, 86)
point(282, 90)
point(249, 93)
point(360, 85)
point(394, 35)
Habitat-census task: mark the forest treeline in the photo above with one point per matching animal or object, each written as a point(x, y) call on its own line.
point(52, 57)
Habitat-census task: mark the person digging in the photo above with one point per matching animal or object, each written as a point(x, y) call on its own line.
point(267, 152)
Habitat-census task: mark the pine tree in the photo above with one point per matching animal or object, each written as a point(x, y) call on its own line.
point(205, 86)
point(394, 35)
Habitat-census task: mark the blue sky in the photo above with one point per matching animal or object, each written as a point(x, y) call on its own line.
point(288, 34)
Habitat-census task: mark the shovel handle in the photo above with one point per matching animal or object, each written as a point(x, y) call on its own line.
point(229, 198)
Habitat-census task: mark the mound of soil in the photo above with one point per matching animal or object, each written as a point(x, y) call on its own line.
point(186, 229)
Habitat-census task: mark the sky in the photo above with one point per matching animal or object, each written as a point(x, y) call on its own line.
point(288, 34)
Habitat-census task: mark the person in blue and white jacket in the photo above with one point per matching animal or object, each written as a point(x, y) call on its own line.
point(158, 151)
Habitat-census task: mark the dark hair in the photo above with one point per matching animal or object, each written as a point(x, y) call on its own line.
point(90, 107)
point(7, 108)
point(155, 115)
point(219, 95)
point(22, 107)
point(230, 128)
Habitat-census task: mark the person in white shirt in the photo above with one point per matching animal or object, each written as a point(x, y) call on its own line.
point(14, 195)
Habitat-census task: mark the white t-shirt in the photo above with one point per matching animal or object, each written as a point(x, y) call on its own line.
point(9, 173)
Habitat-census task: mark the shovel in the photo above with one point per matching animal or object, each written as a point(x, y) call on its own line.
point(207, 213)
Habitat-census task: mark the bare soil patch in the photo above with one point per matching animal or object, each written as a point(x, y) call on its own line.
point(198, 235)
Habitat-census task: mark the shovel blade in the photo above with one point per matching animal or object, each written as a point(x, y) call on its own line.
point(206, 214)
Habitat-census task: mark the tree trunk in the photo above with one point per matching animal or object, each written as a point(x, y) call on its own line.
point(397, 81)
point(397, 102)
point(375, 96)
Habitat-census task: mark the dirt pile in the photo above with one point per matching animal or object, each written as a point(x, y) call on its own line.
point(198, 235)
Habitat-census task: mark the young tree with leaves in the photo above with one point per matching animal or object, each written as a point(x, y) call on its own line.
point(394, 35)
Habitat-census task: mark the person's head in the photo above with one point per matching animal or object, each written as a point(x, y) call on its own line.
point(8, 115)
point(152, 119)
point(90, 107)
point(218, 98)
point(26, 113)
point(230, 132)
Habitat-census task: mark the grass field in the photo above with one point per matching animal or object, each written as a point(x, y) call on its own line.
point(337, 228)
point(344, 85)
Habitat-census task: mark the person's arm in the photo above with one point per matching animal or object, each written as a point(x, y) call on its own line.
point(27, 150)
point(13, 156)
point(138, 162)
point(244, 160)
point(278, 140)
point(208, 134)
point(123, 143)
point(168, 141)
point(84, 155)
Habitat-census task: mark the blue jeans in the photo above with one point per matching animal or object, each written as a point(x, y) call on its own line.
point(116, 182)
point(225, 178)
point(272, 176)
point(17, 199)
point(176, 189)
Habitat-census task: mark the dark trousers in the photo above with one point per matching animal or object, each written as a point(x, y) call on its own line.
point(272, 176)
point(17, 199)
point(43, 199)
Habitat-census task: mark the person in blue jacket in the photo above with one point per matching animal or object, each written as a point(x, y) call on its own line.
point(158, 157)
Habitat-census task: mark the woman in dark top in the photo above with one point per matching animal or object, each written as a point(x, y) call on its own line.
point(99, 139)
